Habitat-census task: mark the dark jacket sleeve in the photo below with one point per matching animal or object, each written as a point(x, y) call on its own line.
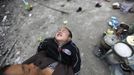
point(76, 60)
point(42, 46)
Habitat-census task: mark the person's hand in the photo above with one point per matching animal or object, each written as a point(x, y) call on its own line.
point(47, 71)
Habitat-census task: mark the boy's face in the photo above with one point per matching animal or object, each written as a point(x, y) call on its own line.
point(62, 34)
point(20, 69)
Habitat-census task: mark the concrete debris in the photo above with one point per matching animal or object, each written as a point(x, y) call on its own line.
point(17, 60)
point(18, 52)
point(65, 22)
point(107, 0)
point(3, 6)
point(116, 5)
point(7, 12)
point(68, 0)
point(79, 9)
point(4, 18)
point(30, 15)
point(98, 5)
point(63, 5)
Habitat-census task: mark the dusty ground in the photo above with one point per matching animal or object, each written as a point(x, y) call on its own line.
point(6, 11)
point(87, 26)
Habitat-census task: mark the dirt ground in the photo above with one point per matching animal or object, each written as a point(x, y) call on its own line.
point(42, 22)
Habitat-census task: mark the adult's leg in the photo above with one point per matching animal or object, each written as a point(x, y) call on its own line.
point(30, 60)
point(35, 57)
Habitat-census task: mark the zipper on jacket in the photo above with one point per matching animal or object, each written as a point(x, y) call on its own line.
point(59, 50)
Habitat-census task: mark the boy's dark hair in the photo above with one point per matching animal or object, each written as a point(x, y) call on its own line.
point(70, 33)
point(3, 69)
